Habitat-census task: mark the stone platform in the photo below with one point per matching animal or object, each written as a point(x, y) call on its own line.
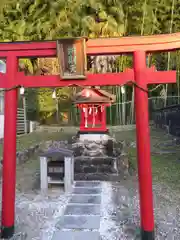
point(97, 157)
point(95, 168)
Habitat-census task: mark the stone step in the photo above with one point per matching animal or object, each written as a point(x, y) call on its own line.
point(87, 184)
point(76, 235)
point(94, 153)
point(78, 222)
point(93, 169)
point(86, 190)
point(85, 199)
point(93, 160)
point(96, 168)
point(98, 177)
point(82, 209)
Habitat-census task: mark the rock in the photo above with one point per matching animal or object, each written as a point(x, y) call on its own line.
point(90, 169)
point(20, 236)
point(104, 142)
point(86, 142)
point(78, 151)
point(92, 153)
point(20, 158)
point(91, 146)
point(78, 168)
point(133, 144)
point(105, 169)
point(101, 161)
point(36, 147)
point(95, 154)
point(77, 144)
point(101, 146)
point(110, 147)
point(70, 141)
point(26, 155)
point(47, 144)
point(123, 164)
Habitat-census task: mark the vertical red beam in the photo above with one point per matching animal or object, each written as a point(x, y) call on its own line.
point(82, 120)
point(9, 154)
point(103, 124)
point(143, 148)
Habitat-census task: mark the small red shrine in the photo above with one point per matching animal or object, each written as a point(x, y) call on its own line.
point(92, 103)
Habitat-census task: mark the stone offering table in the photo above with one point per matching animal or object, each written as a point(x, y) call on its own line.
point(57, 167)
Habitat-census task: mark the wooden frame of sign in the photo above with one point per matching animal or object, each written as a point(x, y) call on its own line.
point(71, 53)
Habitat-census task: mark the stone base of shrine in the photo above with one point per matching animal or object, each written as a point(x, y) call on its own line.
point(98, 156)
point(96, 168)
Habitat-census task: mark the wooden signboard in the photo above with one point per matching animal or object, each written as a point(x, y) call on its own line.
point(71, 54)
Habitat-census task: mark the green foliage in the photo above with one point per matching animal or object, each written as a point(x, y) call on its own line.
point(43, 19)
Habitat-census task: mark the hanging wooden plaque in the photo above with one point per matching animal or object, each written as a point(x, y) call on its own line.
point(71, 54)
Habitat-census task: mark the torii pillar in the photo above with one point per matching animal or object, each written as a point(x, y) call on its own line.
point(142, 77)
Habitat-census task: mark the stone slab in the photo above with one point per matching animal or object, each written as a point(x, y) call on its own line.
point(72, 235)
point(94, 137)
point(86, 190)
point(96, 199)
point(94, 176)
point(79, 222)
point(82, 209)
point(87, 184)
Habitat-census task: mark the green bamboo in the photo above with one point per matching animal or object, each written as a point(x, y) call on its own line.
point(119, 96)
point(132, 106)
point(178, 75)
point(142, 32)
point(169, 54)
point(118, 116)
point(123, 96)
point(144, 15)
point(152, 32)
point(123, 65)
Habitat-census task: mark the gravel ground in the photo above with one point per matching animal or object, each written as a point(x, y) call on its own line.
point(120, 212)
point(37, 215)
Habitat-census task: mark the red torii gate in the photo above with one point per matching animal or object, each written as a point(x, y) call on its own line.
point(140, 75)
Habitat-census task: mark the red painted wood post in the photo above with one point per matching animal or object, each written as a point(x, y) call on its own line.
point(103, 123)
point(143, 148)
point(9, 154)
point(82, 120)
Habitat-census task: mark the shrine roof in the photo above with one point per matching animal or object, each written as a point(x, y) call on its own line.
point(93, 95)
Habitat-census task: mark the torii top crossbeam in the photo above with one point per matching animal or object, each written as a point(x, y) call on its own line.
point(97, 46)
point(102, 46)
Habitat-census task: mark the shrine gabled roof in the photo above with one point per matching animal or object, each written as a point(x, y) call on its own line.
point(93, 95)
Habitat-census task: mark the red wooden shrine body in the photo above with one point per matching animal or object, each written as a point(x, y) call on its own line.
point(92, 103)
